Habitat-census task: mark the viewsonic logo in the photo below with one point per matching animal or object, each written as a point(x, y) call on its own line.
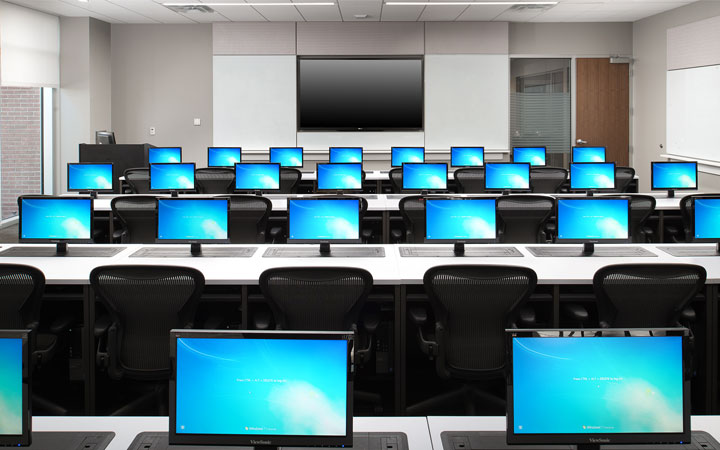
point(260, 442)
point(599, 440)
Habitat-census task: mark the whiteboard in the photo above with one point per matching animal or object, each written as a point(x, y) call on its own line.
point(693, 112)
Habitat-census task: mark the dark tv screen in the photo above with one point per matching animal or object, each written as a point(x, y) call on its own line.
point(360, 94)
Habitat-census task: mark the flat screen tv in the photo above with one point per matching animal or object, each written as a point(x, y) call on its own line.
point(360, 93)
point(593, 219)
point(460, 220)
point(323, 220)
point(15, 414)
point(338, 177)
point(673, 175)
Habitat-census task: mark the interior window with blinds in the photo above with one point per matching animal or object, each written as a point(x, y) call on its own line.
point(540, 106)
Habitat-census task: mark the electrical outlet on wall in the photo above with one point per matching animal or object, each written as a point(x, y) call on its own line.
point(152, 131)
point(196, 122)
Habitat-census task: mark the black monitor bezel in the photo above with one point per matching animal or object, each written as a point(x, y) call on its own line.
point(452, 149)
point(452, 241)
point(110, 135)
point(512, 156)
point(112, 179)
point(264, 440)
point(156, 148)
point(24, 439)
point(321, 241)
point(577, 189)
point(694, 211)
point(317, 178)
point(302, 155)
point(330, 153)
point(236, 189)
point(652, 176)
point(412, 189)
point(572, 152)
point(494, 189)
point(166, 190)
point(595, 241)
point(392, 150)
point(190, 241)
point(208, 156)
point(599, 438)
point(48, 240)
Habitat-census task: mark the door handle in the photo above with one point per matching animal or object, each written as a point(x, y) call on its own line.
point(581, 142)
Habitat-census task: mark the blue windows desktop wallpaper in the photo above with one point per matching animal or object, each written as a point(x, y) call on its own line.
point(597, 385)
point(400, 155)
point(172, 176)
point(707, 218)
point(588, 154)
point(165, 155)
point(467, 156)
point(261, 386)
point(256, 176)
point(54, 218)
point(90, 177)
point(533, 155)
point(339, 176)
point(424, 176)
point(224, 156)
point(507, 176)
point(287, 157)
point(592, 219)
point(675, 175)
point(192, 219)
point(460, 219)
point(323, 219)
point(346, 154)
point(11, 407)
point(592, 176)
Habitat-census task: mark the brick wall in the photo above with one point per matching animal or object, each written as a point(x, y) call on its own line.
point(20, 145)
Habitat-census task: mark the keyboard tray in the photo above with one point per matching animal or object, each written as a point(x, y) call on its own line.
point(207, 252)
point(429, 252)
point(600, 251)
point(72, 252)
point(689, 251)
point(335, 252)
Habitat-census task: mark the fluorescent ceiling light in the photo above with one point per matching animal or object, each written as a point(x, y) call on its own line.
point(250, 4)
point(431, 3)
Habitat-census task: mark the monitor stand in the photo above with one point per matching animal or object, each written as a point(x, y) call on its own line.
point(258, 193)
point(671, 193)
point(590, 193)
point(424, 193)
point(324, 249)
point(459, 249)
point(196, 249)
point(61, 248)
point(174, 194)
point(505, 192)
point(588, 249)
point(92, 194)
point(588, 447)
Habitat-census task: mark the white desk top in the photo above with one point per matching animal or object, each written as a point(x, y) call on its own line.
point(126, 428)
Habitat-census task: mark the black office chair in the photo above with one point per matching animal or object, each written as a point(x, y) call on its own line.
point(412, 211)
point(470, 180)
point(623, 177)
point(396, 180)
point(289, 180)
point(247, 218)
point(641, 207)
point(682, 232)
point(522, 219)
point(138, 178)
point(473, 305)
point(137, 215)
point(145, 303)
point(547, 180)
point(214, 180)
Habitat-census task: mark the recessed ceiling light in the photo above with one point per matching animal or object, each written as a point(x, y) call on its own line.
point(479, 3)
point(84, 1)
point(250, 4)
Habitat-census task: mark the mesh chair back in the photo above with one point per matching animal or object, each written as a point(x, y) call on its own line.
point(641, 206)
point(522, 218)
point(317, 299)
point(214, 180)
point(137, 213)
point(623, 178)
point(473, 306)
point(21, 290)
point(396, 179)
point(470, 180)
point(645, 295)
point(138, 179)
point(289, 180)
point(145, 303)
point(688, 215)
point(547, 180)
point(412, 210)
point(247, 218)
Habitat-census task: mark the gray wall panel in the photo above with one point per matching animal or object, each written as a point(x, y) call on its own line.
point(369, 38)
point(254, 38)
point(466, 38)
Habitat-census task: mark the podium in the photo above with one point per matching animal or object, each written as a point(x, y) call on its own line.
point(123, 156)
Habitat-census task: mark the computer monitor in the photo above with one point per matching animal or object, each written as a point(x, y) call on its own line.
point(261, 388)
point(339, 177)
point(536, 156)
point(507, 176)
point(90, 177)
point(323, 220)
point(467, 156)
point(172, 177)
point(104, 137)
point(400, 155)
point(15, 414)
point(257, 177)
point(164, 155)
point(592, 176)
point(287, 156)
point(424, 176)
point(224, 156)
point(706, 217)
point(60, 220)
point(588, 154)
point(593, 387)
point(192, 221)
point(460, 220)
point(593, 219)
point(673, 175)
point(346, 154)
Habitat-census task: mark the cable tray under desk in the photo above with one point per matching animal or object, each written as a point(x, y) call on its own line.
point(211, 252)
point(335, 252)
point(361, 441)
point(428, 252)
point(600, 251)
point(70, 440)
point(72, 252)
point(690, 251)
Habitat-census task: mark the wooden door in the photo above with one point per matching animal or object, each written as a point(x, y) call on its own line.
point(603, 107)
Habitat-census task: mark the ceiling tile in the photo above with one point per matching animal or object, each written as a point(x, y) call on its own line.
point(401, 13)
point(442, 13)
point(482, 13)
point(349, 8)
point(280, 13)
point(240, 13)
point(319, 13)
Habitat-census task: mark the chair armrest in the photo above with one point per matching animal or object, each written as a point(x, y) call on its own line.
point(261, 319)
point(577, 313)
point(419, 316)
point(526, 317)
point(396, 235)
point(275, 233)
